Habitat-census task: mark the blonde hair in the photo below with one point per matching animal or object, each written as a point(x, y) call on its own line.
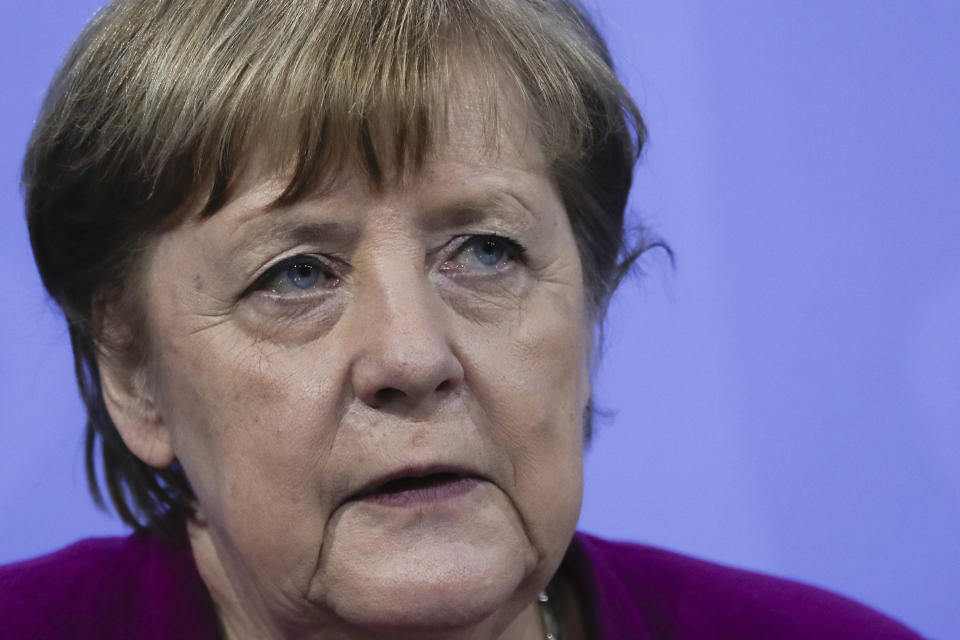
point(162, 101)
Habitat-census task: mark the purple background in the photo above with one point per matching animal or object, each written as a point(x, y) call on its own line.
point(788, 401)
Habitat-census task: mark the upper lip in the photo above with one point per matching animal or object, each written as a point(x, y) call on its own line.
point(414, 471)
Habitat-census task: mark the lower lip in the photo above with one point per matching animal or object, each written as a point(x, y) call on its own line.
point(424, 495)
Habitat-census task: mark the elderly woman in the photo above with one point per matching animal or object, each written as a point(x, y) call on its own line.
point(332, 271)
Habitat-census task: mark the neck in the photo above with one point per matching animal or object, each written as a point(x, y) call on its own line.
point(568, 608)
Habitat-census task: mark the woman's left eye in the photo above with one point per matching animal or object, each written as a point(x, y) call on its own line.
point(296, 275)
point(483, 252)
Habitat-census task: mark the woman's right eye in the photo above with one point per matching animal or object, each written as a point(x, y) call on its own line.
point(299, 275)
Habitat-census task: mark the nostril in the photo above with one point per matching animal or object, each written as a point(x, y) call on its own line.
point(388, 395)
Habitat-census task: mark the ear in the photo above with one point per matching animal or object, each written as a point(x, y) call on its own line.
point(132, 404)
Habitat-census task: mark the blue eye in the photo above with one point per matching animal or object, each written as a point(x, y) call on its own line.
point(303, 275)
point(296, 274)
point(486, 252)
point(489, 251)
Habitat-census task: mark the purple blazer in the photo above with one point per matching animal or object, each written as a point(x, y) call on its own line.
point(139, 587)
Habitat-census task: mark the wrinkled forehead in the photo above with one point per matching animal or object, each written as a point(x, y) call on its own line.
point(479, 128)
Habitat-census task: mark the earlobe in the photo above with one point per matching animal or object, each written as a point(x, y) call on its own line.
point(133, 407)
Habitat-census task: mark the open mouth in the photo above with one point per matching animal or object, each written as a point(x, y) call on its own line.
point(411, 490)
point(411, 484)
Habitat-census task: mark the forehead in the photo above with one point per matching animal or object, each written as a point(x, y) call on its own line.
point(484, 145)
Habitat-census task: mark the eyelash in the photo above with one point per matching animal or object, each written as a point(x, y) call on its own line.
point(514, 253)
point(271, 275)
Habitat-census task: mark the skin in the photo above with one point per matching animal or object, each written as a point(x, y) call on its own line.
point(281, 402)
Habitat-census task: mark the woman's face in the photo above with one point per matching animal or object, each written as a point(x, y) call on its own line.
point(432, 331)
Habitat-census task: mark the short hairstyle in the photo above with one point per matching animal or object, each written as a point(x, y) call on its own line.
point(160, 102)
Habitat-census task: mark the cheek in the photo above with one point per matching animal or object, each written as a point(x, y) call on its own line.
point(248, 429)
point(534, 390)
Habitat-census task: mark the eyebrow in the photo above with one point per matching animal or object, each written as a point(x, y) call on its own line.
point(499, 204)
point(303, 232)
point(297, 231)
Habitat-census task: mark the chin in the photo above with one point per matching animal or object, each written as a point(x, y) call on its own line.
point(417, 614)
point(442, 589)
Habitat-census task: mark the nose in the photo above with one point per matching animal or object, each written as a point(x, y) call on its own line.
point(405, 361)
